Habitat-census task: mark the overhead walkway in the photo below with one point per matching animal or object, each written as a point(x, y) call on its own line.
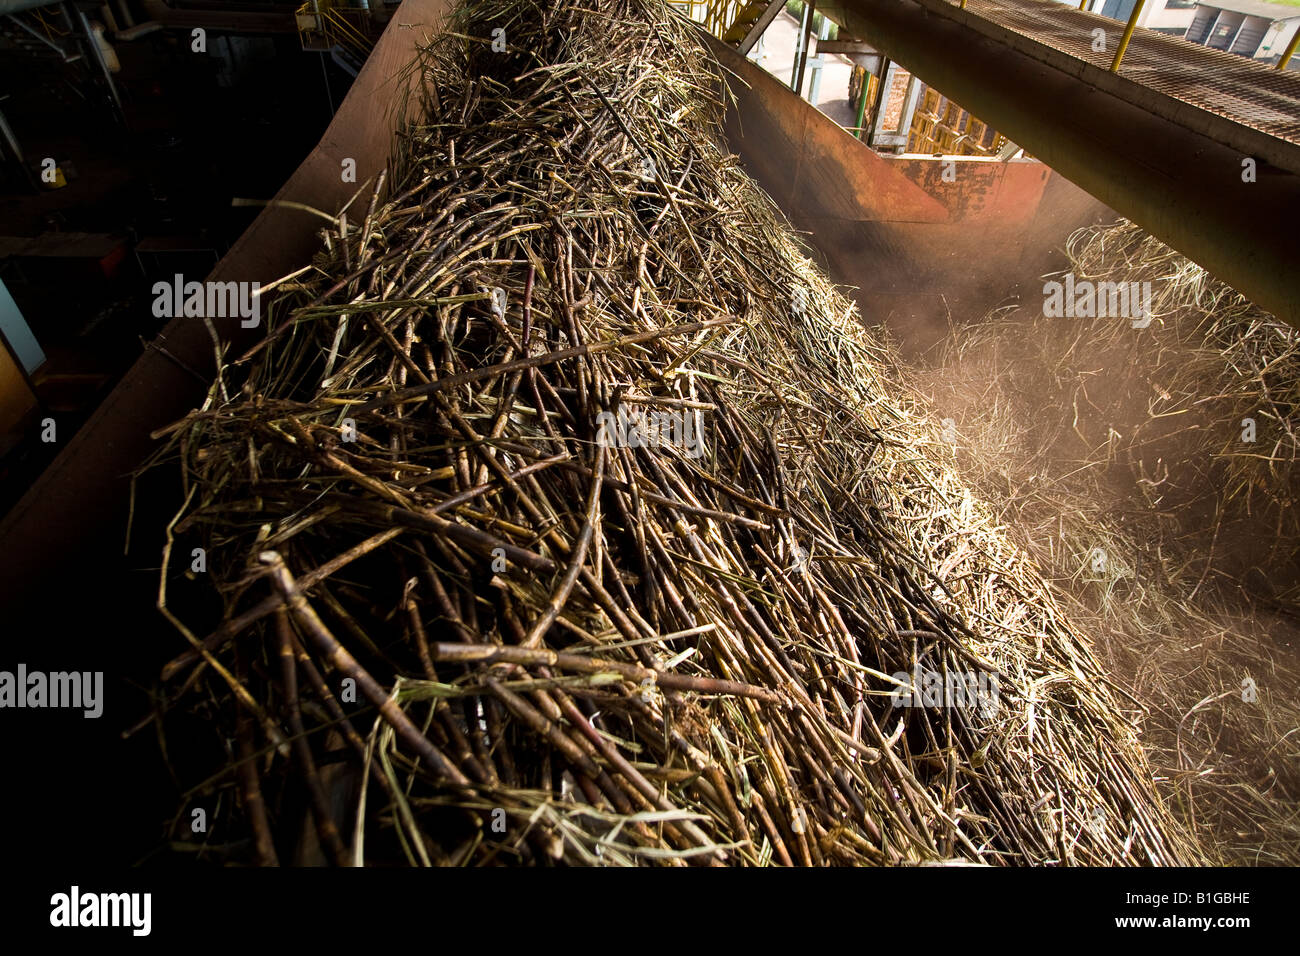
point(1241, 102)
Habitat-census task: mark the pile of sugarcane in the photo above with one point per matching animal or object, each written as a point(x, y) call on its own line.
point(565, 514)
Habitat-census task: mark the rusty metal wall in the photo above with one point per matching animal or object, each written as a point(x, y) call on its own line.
point(918, 252)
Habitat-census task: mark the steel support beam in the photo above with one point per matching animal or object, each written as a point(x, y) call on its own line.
point(77, 18)
point(39, 37)
point(845, 47)
point(759, 28)
point(801, 63)
point(884, 81)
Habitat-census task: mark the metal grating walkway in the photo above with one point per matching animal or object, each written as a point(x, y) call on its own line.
point(1245, 92)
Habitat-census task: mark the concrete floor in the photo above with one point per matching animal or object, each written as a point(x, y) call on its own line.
point(775, 53)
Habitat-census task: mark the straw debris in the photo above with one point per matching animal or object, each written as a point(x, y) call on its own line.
point(571, 647)
point(1115, 456)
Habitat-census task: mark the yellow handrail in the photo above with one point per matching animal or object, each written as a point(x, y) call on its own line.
point(1128, 35)
point(1289, 52)
point(330, 21)
point(347, 32)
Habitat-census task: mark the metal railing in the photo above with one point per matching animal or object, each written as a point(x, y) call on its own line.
point(323, 25)
point(941, 126)
point(716, 16)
